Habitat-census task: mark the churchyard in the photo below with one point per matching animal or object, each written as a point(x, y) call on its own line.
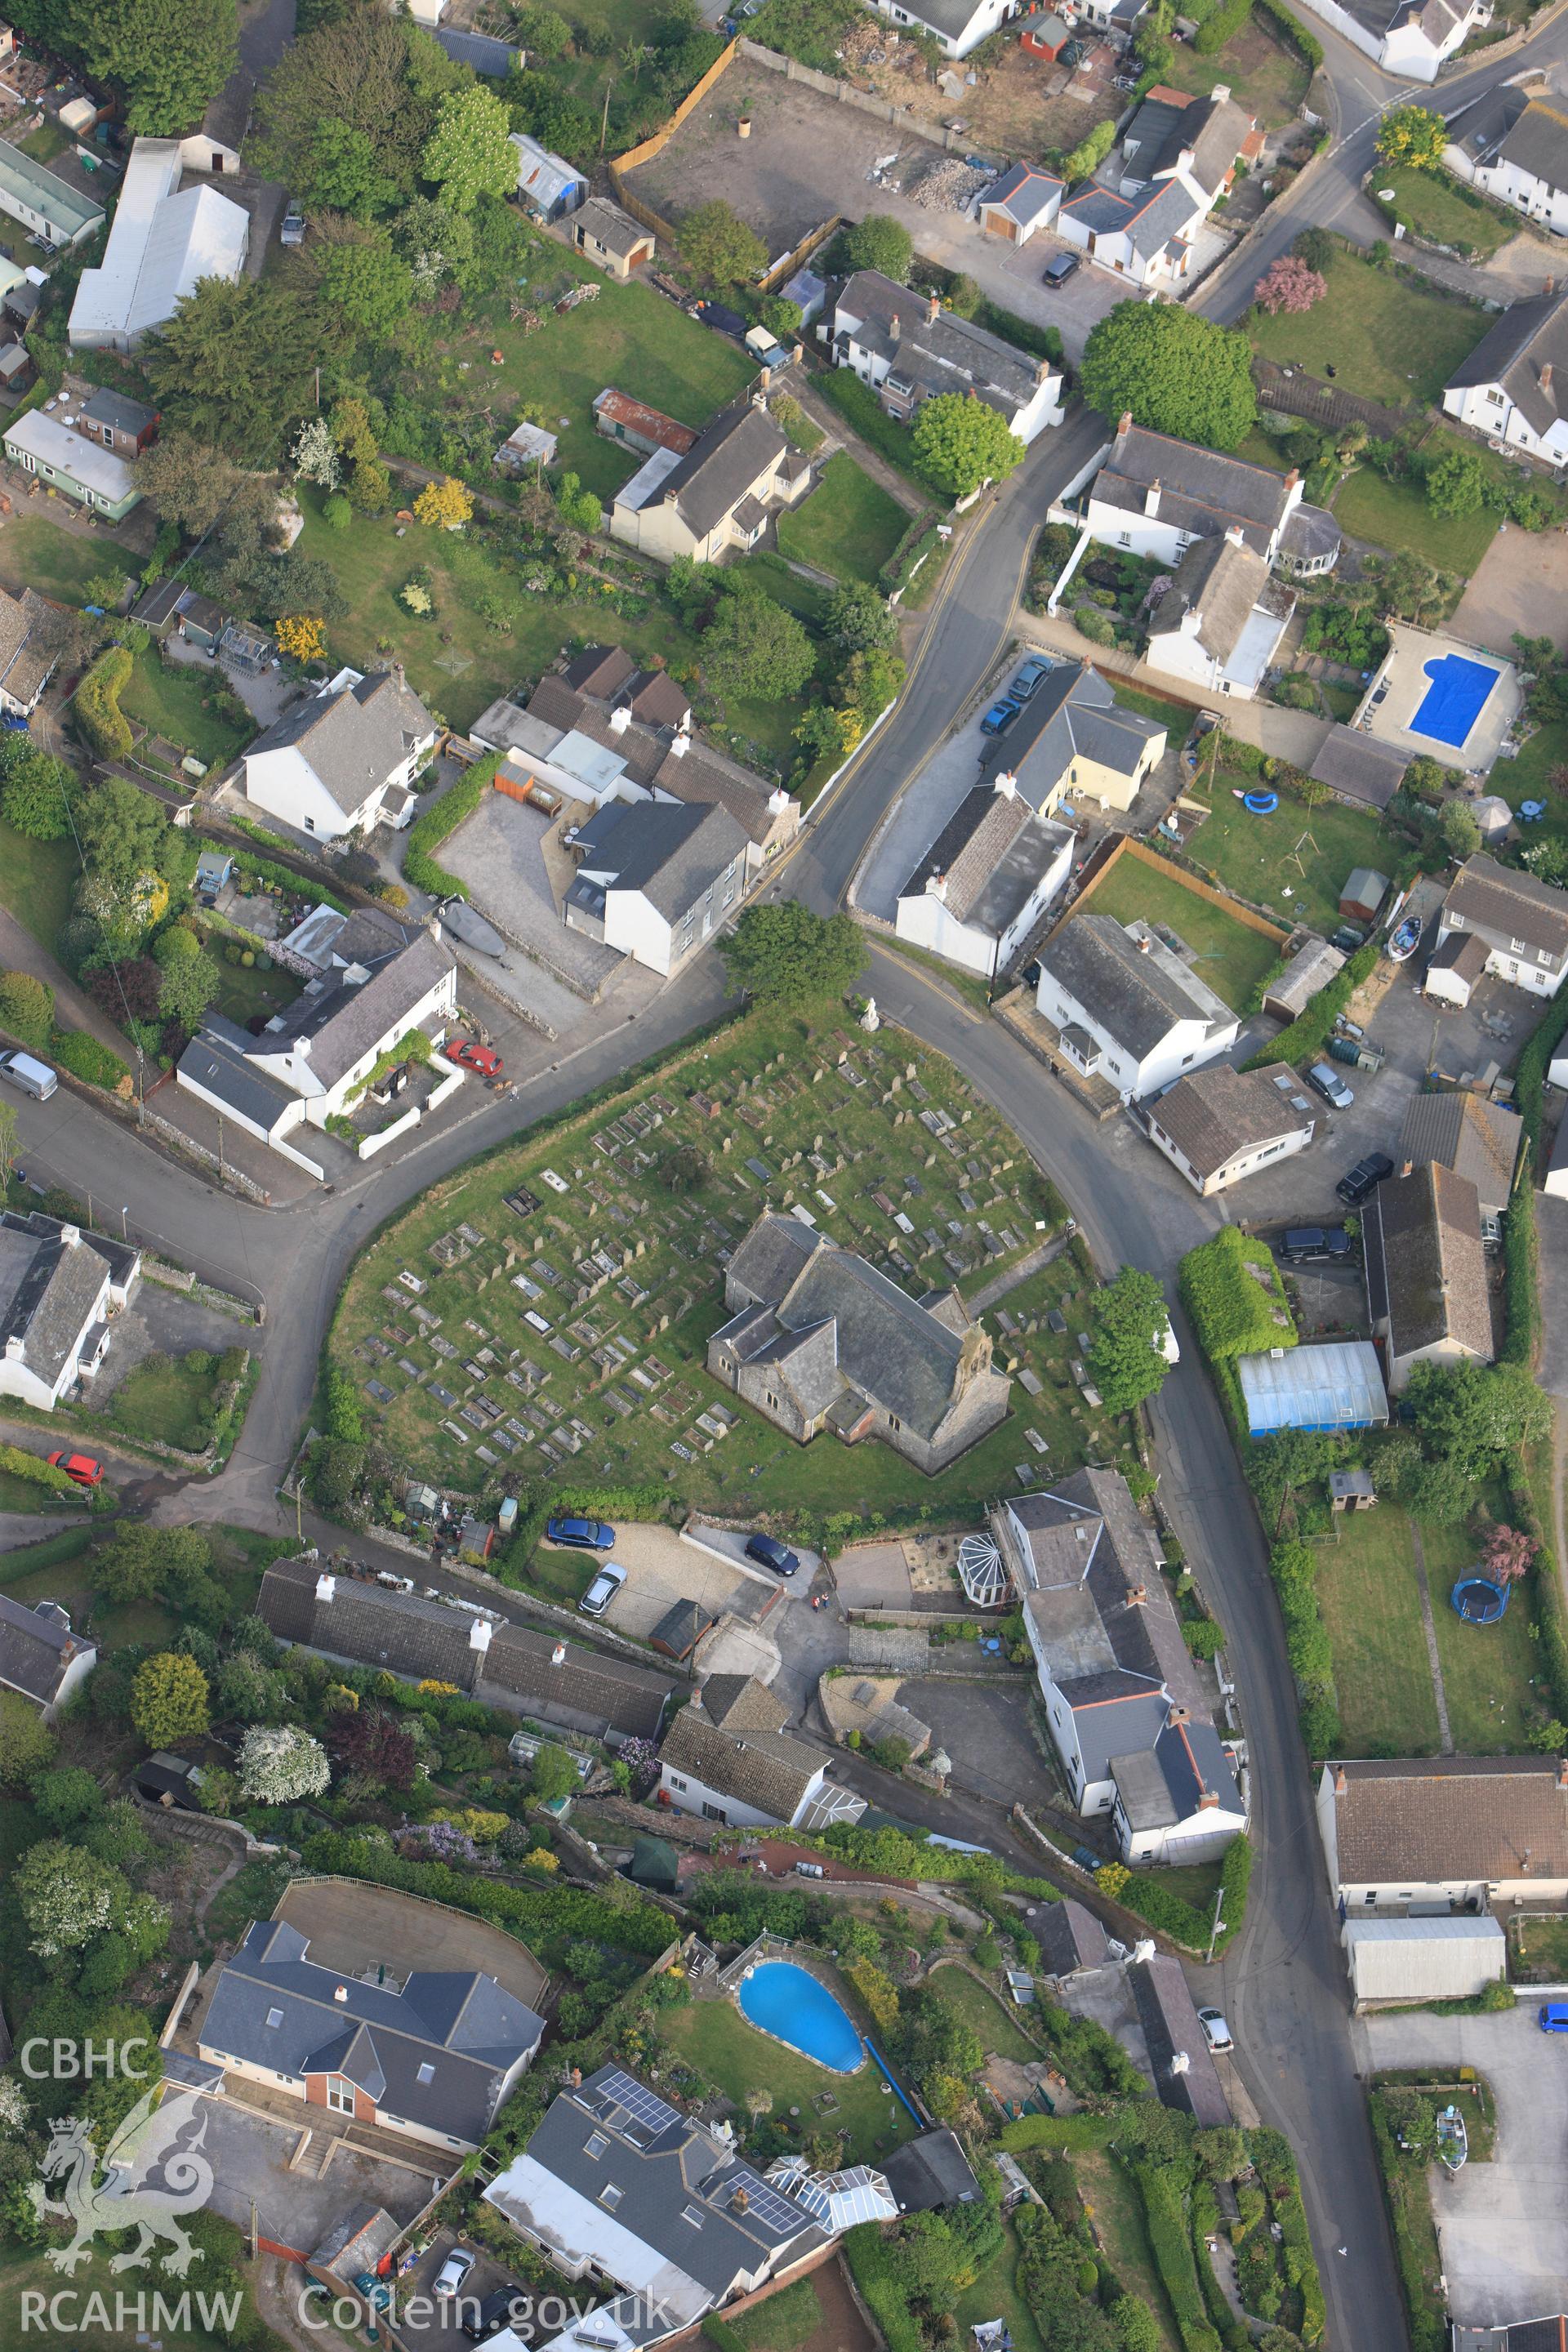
point(546, 1312)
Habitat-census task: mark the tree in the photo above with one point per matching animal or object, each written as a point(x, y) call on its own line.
point(344, 116)
point(445, 505)
point(370, 286)
point(123, 834)
point(858, 619)
point(715, 241)
point(373, 1749)
point(579, 508)
point(345, 173)
point(26, 1743)
point(1173, 371)
point(302, 637)
point(278, 1765)
point(552, 1774)
point(1315, 247)
point(786, 955)
point(1461, 834)
point(754, 647)
point(169, 1699)
point(33, 791)
point(190, 978)
point(67, 1896)
point(1414, 135)
point(26, 1009)
point(543, 33)
point(232, 366)
point(1507, 1553)
point(1125, 1356)
point(880, 243)
point(959, 442)
point(552, 115)
point(469, 153)
point(187, 480)
point(1469, 1413)
point(1081, 161)
point(167, 57)
point(1289, 284)
point(1457, 484)
point(141, 1560)
point(67, 1798)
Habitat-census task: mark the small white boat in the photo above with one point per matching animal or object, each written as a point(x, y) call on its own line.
point(1404, 942)
point(1453, 2142)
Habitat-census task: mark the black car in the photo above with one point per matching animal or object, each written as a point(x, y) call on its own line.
point(1363, 1178)
point(771, 1553)
point(1057, 273)
point(1304, 1243)
point(508, 2307)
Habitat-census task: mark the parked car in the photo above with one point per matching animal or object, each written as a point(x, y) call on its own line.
point(999, 718)
point(449, 2278)
point(33, 1076)
point(1553, 2016)
point(583, 1534)
point(770, 1553)
point(1029, 677)
point(507, 2306)
point(1303, 1242)
point(1216, 2031)
point(1363, 1178)
point(1057, 270)
point(1326, 1080)
point(603, 1589)
point(470, 1056)
point(79, 1467)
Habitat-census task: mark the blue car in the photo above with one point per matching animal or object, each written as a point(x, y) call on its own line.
point(1029, 677)
point(583, 1535)
point(1554, 2016)
point(999, 718)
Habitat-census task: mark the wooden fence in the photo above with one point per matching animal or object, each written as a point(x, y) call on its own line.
point(635, 157)
point(1127, 847)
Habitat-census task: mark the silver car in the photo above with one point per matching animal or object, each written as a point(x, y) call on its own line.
point(603, 1590)
point(1330, 1085)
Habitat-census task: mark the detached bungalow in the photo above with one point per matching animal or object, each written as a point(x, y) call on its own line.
point(81, 469)
point(1471, 1831)
point(1220, 1125)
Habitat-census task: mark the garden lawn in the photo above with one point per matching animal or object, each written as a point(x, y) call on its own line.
point(247, 991)
point(26, 2271)
point(180, 702)
point(1255, 855)
point(1176, 717)
point(1231, 958)
point(713, 2036)
point(983, 2009)
point(22, 1494)
point(784, 2322)
point(1395, 515)
point(1265, 74)
point(995, 2296)
point(163, 1402)
point(35, 553)
point(1118, 2210)
point(1435, 205)
point(1538, 1950)
point(37, 878)
point(1488, 1670)
point(1369, 323)
point(848, 526)
point(1372, 1607)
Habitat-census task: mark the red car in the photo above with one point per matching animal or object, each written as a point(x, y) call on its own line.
point(79, 1467)
point(474, 1057)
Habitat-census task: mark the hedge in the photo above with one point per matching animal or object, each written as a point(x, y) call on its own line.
point(549, 1912)
point(85, 1059)
point(1310, 1031)
point(857, 402)
point(100, 720)
point(1294, 1568)
point(1149, 1899)
point(1405, 2196)
point(1221, 27)
point(284, 877)
point(1310, 47)
point(1173, 2251)
point(880, 2290)
point(1520, 1242)
point(1234, 1312)
point(429, 831)
point(921, 540)
point(722, 2337)
point(36, 1471)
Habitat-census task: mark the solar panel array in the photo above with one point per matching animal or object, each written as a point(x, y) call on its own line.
point(763, 2202)
point(645, 2105)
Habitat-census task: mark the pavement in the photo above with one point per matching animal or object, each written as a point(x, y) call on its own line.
point(1502, 2227)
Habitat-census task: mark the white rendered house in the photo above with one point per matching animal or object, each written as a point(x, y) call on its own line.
point(1408, 38)
point(1126, 1008)
point(1514, 386)
point(1514, 147)
point(1154, 496)
point(58, 1289)
point(344, 761)
point(986, 879)
point(910, 349)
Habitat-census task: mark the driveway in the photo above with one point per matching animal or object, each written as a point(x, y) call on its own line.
point(249, 2156)
point(1503, 2226)
point(1517, 585)
point(930, 799)
point(986, 1729)
point(661, 1570)
point(426, 2325)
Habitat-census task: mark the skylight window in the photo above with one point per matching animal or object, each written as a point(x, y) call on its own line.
point(610, 2195)
point(595, 2146)
point(426, 2073)
point(690, 2213)
point(275, 2016)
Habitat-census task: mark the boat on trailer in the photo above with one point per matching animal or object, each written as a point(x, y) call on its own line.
point(1453, 2142)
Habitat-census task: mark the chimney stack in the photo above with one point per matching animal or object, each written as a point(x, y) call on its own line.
point(479, 1633)
point(936, 887)
point(1292, 477)
point(1546, 376)
point(1007, 784)
point(1151, 497)
point(1235, 535)
point(1125, 425)
point(1562, 1771)
point(620, 720)
point(934, 309)
point(1208, 1800)
point(1340, 1783)
point(325, 1587)
point(558, 1654)
point(340, 1992)
point(70, 1236)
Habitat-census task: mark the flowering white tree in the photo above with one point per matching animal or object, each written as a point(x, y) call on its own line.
point(315, 454)
point(12, 2106)
point(278, 1764)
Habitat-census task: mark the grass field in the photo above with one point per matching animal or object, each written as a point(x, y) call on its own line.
point(784, 2322)
point(1263, 73)
point(614, 1386)
point(37, 878)
point(1368, 1594)
point(1538, 1950)
point(1395, 515)
point(1231, 958)
point(849, 525)
point(1255, 855)
point(1388, 340)
point(983, 2011)
point(713, 2036)
point(164, 1401)
point(995, 2295)
point(35, 553)
point(1435, 205)
point(1488, 1670)
point(94, 2288)
point(22, 1494)
point(1116, 2211)
point(180, 703)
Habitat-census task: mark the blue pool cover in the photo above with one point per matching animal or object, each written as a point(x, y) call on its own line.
point(1455, 699)
point(789, 2002)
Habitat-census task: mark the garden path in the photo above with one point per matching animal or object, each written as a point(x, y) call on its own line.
point(1428, 1627)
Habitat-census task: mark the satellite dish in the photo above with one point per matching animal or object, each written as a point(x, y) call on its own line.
point(982, 1571)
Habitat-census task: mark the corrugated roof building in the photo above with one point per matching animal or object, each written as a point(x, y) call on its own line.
point(1423, 1960)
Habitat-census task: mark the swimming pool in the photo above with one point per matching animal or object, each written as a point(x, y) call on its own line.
point(789, 2004)
point(1455, 699)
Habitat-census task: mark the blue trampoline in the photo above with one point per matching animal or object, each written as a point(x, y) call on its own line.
point(1478, 1601)
point(1455, 699)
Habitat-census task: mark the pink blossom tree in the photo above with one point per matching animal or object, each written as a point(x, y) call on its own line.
point(1507, 1553)
point(1289, 284)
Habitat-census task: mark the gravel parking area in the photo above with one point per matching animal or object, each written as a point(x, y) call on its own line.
point(249, 2156)
point(873, 1576)
point(986, 1731)
point(1503, 2226)
point(661, 1570)
point(498, 852)
point(426, 2325)
point(1517, 585)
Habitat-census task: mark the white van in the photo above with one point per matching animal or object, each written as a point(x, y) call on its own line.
point(34, 1077)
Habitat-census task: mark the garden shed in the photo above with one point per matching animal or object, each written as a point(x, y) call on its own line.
point(1450, 1958)
point(1363, 895)
point(1307, 970)
point(1336, 1385)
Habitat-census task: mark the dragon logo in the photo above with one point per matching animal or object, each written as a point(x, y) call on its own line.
point(150, 2180)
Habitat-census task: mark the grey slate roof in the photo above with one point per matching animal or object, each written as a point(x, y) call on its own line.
point(1072, 710)
point(737, 450)
point(765, 1770)
point(1169, 1783)
point(1221, 582)
point(614, 229)
point(1136, 997)
point(1069, 1936)
point(482, 51)
point(993, 851)
point(872, 1337)
point(217, 1059)
point(116, 408)
point(1526, 354)
point(1213, 131)
point(352, 740)
point(670, 851)
point(26, 656)
point(1023, 191)
point(1425, 1269)
point(1169, 2017)
point(1477, 1139)
point(460, 2025)
point(50, 1288)
point(1201, 490)
point(928, 2171)
point(940, 354)
point(1212, 1114)
point(1496, 899)
point(35, 1649)
point(1358, 769)
point(1537, 141)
